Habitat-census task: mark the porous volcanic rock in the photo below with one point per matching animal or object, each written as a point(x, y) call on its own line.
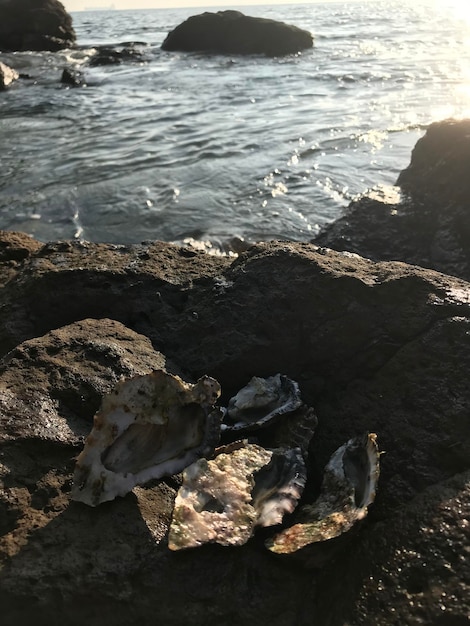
point(7, 76)
point(35, 25)
point(383, 347)
point(406, 568)
point(14, 249)
point(430, 224)
point(232, 32)
point(73, 367)
point(143, 286)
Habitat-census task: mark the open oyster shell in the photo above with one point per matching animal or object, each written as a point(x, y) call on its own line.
point(148, 427)
point(260, 402)
point(223, 500)
point(348, 488)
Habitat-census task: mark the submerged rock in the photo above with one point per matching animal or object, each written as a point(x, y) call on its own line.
point(232, 32)
point(125, 52)
point(429, 224)
point(35, 25)
point(71, 77)
point(7, 76)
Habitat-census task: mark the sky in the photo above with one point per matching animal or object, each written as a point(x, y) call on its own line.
point(78, 5)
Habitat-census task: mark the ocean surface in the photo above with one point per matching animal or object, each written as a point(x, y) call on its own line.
point(180, 146)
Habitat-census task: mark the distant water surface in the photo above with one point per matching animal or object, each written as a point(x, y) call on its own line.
point(208, 147)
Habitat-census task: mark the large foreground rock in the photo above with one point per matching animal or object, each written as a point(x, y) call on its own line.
point(430, 224)
point(232, 32)
point(35, 25)
point(383, 347)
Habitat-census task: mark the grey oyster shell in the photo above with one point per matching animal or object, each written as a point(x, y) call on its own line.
point(223, 500)
point(260, 402)
point(148, 427)
point(349, 487)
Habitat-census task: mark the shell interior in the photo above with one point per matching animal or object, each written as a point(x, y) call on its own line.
point(260, 402)
point(150, 426)
point(349, 487)
point(279, 486)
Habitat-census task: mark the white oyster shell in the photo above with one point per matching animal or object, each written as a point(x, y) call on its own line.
point(224, 499)
point(348, 488)
point(260, 402)
point(148, 427)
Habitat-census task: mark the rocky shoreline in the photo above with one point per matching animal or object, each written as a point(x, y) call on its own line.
point(428, 224)
point(378, 341)
point(378, 346)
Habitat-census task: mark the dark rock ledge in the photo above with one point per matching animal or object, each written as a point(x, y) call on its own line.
point(232, 32)
point(35, 25)
point(382, 346)
point(430, 224)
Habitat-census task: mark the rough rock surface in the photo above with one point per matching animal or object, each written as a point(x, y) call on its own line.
point(73, 78)
point(35, 25)
point(49, 404)
point(232, 32)
point(383, 347)
point(7, 76)
point(14, 249)
point(430, 224)
point(144, 286)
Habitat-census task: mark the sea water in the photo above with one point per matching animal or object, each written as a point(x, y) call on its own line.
point(178, 146)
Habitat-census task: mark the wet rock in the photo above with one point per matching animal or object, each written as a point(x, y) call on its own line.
point(232, 32)
point(380, 347)
point(74, 78)
point(35, 25)
point(412, 568)
point(115, 56)
point(429, 224)
point(439, 165)
point(7, 76)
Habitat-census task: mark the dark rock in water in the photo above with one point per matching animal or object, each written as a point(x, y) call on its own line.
point(35, 25)
point(232, 32)
point(383, 347)
point(439, 166)
point(114, 56)
point(430, 224)
point(7, 76)
point(74, 78)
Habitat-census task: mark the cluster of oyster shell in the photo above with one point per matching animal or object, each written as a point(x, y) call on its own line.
point(159, 425)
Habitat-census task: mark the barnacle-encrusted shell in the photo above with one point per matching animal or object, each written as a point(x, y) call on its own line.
point(349, 487)
point(224, 499)
point(261, 401)
point(148, 427)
